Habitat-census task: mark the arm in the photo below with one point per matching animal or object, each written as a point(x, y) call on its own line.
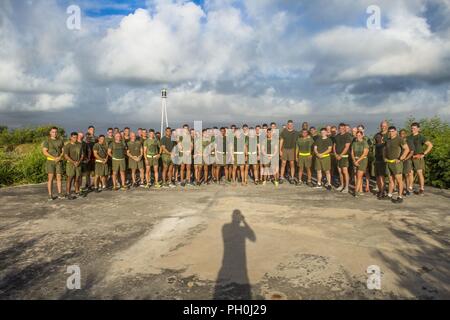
point(405, 152)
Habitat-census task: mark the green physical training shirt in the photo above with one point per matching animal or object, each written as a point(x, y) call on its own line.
point(102, 149)
point(289, 138)
point(152, 146)
point(109, 140)
point(134, 148)
point(118, 150)
point(419, 142)
point(323, 144)
point(54, 146)
point(73, 151)
point(358, 147)
point(168, 143)
point(341, 140)
point(305, 145)
point(394, 148)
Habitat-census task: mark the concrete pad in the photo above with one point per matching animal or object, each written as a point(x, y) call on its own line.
point(297, 243)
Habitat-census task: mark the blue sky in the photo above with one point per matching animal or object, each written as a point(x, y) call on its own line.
point(223, 61)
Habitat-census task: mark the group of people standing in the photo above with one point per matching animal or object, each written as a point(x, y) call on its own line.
point(338, 155)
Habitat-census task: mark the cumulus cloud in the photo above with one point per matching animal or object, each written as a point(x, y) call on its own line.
point(225, 61)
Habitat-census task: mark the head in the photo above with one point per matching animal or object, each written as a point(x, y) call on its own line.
point(361, 128)
point(324, 133)
point(117, 137)
point(290, 125)
point(101, 139)
point(91, 130)
point(392, 132)
point(313, 131)
point(269, 133)
point(273, 125)
point(378, 138)
point(333, 130)
point(158, 135)
point(168, 132)
point(305, 125)
point(354, 131)
point(53, 132)
point(257, 129)
point(403, 133)
point(237, 217)
point(126, 132)
point(245, 129)
point(342, 128)
point(384, 126)
point(415, 128)
point(73, 137)
point(151, 134)
point(305, 133)
point(265, 126)
point(110, 132)
point(132, 137)
point(328, 130)
point(144, 134)
point(359, 135)
point(80, 136)
point(116, 130)
point(348, 129)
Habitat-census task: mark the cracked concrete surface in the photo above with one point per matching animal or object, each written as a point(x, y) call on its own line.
point(300, 243)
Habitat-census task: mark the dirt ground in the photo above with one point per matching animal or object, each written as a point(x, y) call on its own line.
point(297, 243)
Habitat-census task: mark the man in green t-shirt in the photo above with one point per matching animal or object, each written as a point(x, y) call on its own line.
point(151, 151)
point(73, 154)
point(288, 139)
point(52, 148)
point(135, 153)
point(395, 153)
point(360, 153)
point(101, 163)
point(422, 147)
point(408, 173)
point(117, 150)
point(341, 150)
point(322, 149)
point(166, 155)
point(303, 151)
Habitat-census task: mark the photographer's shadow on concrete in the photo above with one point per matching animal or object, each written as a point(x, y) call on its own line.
point(232, 281)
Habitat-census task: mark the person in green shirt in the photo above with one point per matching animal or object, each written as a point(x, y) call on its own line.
point(118, 151)
point(395, 153)
point(303, 151)
point(288, 138)
point(85, 171)
point(422, 147)
point(166, 155)
point(268, 153)
point(341, 150)
point(322, 149)
point(221, 155)
point(185, 153)
point(379, 165)
point(101, 163)
point(408, 173)
point(52, 148)
point(73, 153)
point(360, 153)
point(239, 156)
point(135, 153)
point(369, 157)
point(151, 151)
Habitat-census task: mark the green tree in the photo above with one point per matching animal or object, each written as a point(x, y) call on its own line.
point(437, 171)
